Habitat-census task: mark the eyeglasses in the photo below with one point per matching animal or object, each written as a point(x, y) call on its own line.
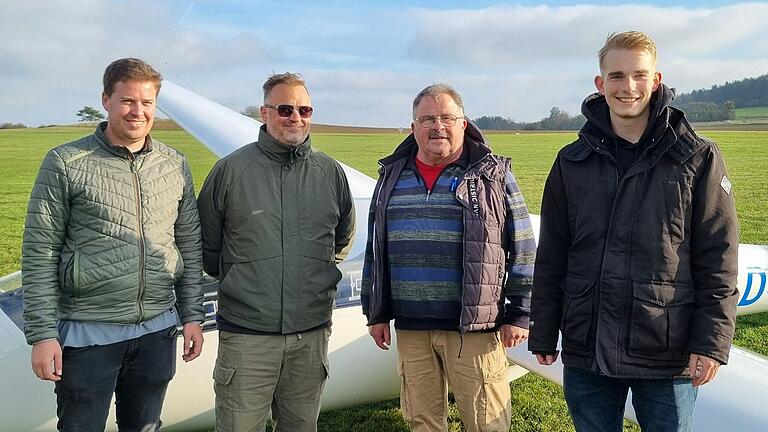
point(287, 110)
point(429, 121)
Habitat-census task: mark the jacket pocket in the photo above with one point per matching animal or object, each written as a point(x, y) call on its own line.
point(677, 203)
point(75, 271)
point(319, 270)
point(578, 314)
point(178, 269)
point(661, 318)
point(66, 281)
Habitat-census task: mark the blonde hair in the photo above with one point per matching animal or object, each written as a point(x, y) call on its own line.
point(632, 40)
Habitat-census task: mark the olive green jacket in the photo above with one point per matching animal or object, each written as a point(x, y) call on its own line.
point(110, 237)
point(275, 221)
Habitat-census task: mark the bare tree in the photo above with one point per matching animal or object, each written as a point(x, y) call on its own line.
point(252, 111)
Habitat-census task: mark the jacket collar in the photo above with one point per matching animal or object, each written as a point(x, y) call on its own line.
point(120, 151)
point(668, 130)
point(476, 147)
point(282, 153)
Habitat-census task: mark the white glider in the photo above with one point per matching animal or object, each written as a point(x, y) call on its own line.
point(359, 371)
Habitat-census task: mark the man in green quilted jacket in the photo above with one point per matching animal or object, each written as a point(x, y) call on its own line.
point(111, 262)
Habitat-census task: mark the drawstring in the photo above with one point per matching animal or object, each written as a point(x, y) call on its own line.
point(461, 340)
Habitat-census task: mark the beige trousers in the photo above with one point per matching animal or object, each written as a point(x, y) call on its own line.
point(428, 360)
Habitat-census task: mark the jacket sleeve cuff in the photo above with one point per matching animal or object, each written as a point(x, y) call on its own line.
point(518, 321)
point(191, 318)
point(42, 337)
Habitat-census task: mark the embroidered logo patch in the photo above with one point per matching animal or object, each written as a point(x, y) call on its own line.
point(725, 184)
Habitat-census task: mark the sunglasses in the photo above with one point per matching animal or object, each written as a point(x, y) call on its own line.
point(287, 110)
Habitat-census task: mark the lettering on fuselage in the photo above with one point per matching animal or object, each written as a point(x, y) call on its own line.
point(755, 287)
point(355, 286)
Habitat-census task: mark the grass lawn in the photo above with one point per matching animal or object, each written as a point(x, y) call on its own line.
point(752, 114)
point(538, 404)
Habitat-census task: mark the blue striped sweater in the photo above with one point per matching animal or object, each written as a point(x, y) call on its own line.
point(424, 239)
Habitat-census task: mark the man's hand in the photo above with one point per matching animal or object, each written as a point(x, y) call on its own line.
point(381, 334)
point(193, 341)
point(703, 369)
point(46, 360)
point(547, 359)
point(512, 336)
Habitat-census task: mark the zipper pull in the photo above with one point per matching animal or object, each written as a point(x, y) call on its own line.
point(428, 192)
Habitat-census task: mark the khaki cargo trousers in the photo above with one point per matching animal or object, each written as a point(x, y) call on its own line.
point(428, 360)
point(256, 373)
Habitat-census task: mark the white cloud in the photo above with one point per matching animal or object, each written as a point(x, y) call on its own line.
point(56, 51)
point(363, 65)
point(514, 35)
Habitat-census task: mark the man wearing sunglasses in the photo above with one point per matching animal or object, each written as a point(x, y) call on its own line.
point(450, 258)
point(277, 217)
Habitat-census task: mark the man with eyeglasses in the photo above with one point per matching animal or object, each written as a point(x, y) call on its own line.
point(450, 258)
point(277, 217)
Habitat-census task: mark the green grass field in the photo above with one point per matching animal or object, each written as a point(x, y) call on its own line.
point(752, 114)
point(538, 405)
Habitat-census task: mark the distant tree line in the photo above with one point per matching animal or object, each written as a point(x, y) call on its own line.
point(719, 102)
point(9, 125)
point(557, 120)
point(708, 111)
point(749, 92)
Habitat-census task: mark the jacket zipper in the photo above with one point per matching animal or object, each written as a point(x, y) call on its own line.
point(140, 230)
point(376, 252)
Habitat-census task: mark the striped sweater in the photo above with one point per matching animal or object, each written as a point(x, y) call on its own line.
point(433, 263)
point(424, 238)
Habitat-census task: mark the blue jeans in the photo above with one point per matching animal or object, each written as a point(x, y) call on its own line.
point(137, 371)
point(596, 402)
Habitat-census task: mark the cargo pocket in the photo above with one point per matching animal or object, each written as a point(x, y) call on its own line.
point(222, 375)
point(577, 312)
point(226, 398)
point(661, 320)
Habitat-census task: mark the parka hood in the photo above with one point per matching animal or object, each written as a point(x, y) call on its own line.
point(595, 109)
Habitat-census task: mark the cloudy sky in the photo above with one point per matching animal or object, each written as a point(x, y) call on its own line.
point(364, 62)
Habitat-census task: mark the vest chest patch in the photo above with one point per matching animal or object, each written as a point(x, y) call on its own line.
point(474, 201)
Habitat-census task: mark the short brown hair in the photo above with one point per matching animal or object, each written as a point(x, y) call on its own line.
point(633, 40)
point(287, 78)
point(436, 90)
point(129, 69)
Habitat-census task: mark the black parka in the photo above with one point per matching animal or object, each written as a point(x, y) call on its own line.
point(637, 269)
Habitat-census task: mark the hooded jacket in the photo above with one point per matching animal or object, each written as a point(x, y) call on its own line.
point(499, 247)
point(636, 269)
point(275, 221)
